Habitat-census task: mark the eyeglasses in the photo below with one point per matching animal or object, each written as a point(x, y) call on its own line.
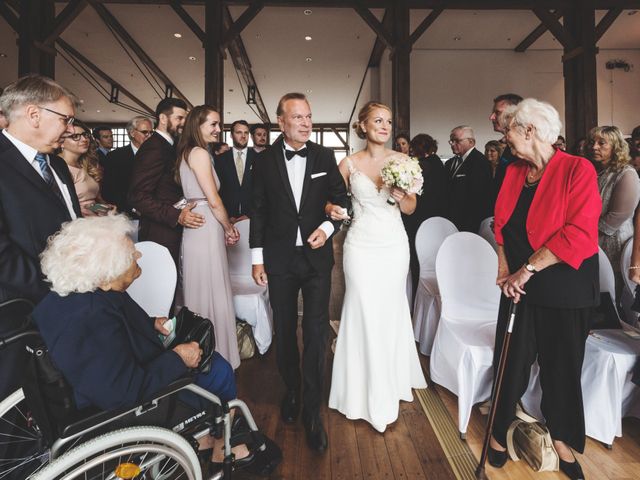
point(67, 119)
point(458, 140)
point(146, 133)
point(77, 136)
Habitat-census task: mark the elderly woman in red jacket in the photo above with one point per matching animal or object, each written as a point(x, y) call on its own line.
point(546, 227)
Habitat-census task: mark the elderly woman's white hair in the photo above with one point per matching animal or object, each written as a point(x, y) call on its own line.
point(541, 115)
point(87, 253)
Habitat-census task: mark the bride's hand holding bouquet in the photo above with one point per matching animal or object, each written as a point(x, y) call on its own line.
point(402, 175)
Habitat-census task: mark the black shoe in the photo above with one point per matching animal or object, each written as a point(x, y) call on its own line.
point(237, 464)
point(573, 470)
point(497, 458)
point(316, 435)
point(290, 407)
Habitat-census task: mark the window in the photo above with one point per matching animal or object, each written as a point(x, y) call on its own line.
point(120, 137)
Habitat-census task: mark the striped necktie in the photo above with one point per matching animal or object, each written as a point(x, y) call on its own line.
point(48, 177)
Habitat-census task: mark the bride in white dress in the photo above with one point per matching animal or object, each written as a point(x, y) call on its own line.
point(376, 363)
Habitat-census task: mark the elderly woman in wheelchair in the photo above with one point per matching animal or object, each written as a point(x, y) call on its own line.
point(109, 352)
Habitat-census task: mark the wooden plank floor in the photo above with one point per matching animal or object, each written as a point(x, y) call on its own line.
point(407, 450)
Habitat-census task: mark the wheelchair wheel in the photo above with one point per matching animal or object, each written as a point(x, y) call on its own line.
point(22, 448)
point(131, 453)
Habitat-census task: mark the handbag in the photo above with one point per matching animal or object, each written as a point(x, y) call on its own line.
point(191, 327)
point(246, 342)
point(529, 439)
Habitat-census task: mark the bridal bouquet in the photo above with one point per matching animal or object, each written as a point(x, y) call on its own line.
point(402, 172)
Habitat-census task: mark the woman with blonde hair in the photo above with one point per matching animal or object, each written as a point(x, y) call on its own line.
point(620, 191)
point(205, 269)
point(79, 152)
point(376, 363)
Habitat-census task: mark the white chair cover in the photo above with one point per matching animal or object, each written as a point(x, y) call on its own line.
point(462, 355)
point(486, 232)
point(607, 392)
point(153, 290)
point(426, 308)
point(251, 301)
point(628, 292)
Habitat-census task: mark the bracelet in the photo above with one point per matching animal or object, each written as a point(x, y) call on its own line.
point(634, 267)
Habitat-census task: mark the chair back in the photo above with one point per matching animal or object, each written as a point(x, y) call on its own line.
point(625, 263)
point(239, 255)
point(486, 232)
point(153, 290)
point(429, 238)
point(607, 279)
point(466, 268)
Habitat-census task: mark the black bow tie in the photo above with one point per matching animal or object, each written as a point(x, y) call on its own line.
point(292, 153)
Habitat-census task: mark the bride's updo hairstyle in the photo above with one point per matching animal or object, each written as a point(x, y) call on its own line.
point(364, 114)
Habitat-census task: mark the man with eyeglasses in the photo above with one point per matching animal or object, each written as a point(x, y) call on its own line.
point(469, 183)
point(36, 196)
point(119, 164)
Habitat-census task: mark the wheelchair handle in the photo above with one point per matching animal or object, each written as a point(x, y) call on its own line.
point(14, 337)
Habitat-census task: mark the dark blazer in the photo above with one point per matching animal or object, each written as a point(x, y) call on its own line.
point(470, 192)
point(274, 218)
point(29, 213)
point(117, 177)
point(433, 201)
point(153, 191)
point(106, 347)
point(236, 197)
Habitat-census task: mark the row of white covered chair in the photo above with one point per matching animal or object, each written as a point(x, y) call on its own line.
point(153, 290)
point(455, 319)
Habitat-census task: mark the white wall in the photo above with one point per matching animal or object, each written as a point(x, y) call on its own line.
point(453, 87)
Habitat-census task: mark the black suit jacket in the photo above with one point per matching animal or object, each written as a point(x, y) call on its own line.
point(274, 217)
point(29, 213)
point(236, 197)
point(470, 192)
point(153, 191)
point(117, 177)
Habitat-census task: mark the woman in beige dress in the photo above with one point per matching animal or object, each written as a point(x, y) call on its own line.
point(205, 270)
point(80, 155)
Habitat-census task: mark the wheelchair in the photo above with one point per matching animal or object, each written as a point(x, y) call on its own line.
point(38, 443)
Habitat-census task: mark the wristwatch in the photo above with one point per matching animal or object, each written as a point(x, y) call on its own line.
point(530, 268)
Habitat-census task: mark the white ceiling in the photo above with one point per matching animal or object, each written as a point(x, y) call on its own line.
point(339, 50)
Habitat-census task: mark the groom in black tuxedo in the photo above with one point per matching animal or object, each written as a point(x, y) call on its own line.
point(292, 182)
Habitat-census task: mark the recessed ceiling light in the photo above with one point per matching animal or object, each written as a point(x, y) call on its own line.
point(308, 38)
point(309, 90)
point(457, 38)
point(258, 35)
point(308, 59)
point(97, 111)
point(192, 58)
point(177, 35)
point(308, 12)
point(231, 90)
point(3, 55)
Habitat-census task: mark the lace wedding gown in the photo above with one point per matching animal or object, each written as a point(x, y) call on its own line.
point(376, 363)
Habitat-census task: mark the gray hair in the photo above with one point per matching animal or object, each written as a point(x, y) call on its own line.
point(540, 115)
point(134, 122)
point(87, 253)
point(467, 131)
point(32, 90)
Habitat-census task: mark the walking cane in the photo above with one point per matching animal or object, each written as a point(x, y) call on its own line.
point(497, 385)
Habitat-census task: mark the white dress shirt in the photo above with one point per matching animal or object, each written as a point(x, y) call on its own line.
point(296, 169)
point(29, 153)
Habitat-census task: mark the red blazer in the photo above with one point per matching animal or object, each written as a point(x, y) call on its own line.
point(565, 210)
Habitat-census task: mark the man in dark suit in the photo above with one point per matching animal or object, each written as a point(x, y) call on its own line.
point(36, 195)
point(234, 169)
point(153, 190)
point(119, 164)
point(292, 182)
point(470, 182)
point(104, 138)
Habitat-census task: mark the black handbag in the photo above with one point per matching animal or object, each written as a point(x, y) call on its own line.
point(191, 327)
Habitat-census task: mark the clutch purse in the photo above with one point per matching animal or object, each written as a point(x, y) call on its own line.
point(191, 327)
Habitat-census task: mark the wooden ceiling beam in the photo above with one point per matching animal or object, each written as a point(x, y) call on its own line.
point(374, 24)
point(549, 20)
point(111, 21)
point(424, 25)
point(606, 22)
point(10, 16)
point(535, 34)
point(188, 20)
point(379, 46)
point(82, 59)
point(64, 19)
point(249, 14)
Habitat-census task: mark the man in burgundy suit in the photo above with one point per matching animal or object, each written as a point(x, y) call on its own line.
point(153, 190)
